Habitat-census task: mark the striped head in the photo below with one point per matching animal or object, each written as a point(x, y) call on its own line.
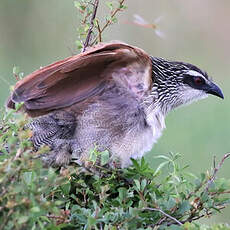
point(179, 83)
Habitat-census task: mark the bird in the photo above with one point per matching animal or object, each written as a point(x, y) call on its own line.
point(113, 97)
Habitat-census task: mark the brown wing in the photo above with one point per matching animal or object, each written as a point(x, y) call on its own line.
point(77, 78)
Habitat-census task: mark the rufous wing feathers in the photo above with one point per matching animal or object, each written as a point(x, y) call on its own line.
point(82, 76)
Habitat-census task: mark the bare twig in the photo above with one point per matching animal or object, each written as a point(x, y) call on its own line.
point(88, 37)
point(159, 222)
point(214, 162)
point(113, 15)
point(193, 218)
point(108, 22)
point(61, 219)
point(215, 171)
point(210, 181)
point(99, 31)
point(16, 77)
point(6, 219)
point(219, 193)
point(165, 214)
point(196, 190)
point(189, 219)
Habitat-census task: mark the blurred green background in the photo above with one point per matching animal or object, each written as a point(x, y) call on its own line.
point(34, 33)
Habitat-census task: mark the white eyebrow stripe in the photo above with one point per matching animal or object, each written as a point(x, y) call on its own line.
point(194, 73)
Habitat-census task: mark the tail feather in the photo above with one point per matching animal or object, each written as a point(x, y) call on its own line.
point(52, 129)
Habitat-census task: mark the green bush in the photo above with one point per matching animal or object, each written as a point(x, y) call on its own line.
point(139, 197)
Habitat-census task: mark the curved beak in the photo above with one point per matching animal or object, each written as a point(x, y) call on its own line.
point(214, 90)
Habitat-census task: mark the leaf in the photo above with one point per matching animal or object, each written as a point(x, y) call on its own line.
point(143, 184)
point(122, 194)
point(135, 163)
point(175, 227)
point(161, 165)
point(78, 44)
point(23, 219)
point(138, 185)
point(162, 157)
point(204, 197)
point(91, 221)
point(114, 20)
point(28, 177)
point(170, 203)
point(16, 70)
point(109, 5)
point(77, 4)
point(35, 209)
point(104, 157)
point(66, 188)
point(184, 207)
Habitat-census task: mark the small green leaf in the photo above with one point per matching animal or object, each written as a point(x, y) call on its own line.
point(104, 157)
point(184, 207)
point(23, 219)
point(109, 5)
point(138, 185)
point(162, 157)
point(35, 209)
point(58, 202)
point(143, 184)
point(16, 70)
point(77, 4)
point(161, 165)
point(78, 44)
point(122, 193)
point(114, 20)
point(91, 221)
point(204, 197)
point(28, 177)
point(66, 188)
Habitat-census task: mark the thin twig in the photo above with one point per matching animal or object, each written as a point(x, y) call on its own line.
point(99, 31)
point(6, 219)
point(189, 219)
point(196, 190)
point(215, 171)
point(165, 214)
point(112, 15)
point(219, 193)
point(193, 218)
point(88, 37)
point(16, 77)
point(108, 22)
point(214, 162)
point(159, 222)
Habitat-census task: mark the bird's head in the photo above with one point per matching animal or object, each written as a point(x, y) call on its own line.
point(179, 83)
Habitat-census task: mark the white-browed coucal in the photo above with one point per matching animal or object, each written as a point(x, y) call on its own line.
point(114, 96)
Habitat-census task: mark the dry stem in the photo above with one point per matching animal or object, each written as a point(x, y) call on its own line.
point(215, 171)
point(108, 22)
point(165, 214)
point(88, 37)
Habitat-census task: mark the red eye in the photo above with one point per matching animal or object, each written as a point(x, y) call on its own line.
point(198, 80)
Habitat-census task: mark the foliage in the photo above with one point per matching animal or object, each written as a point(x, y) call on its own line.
point(139, 197)
point(87, 23)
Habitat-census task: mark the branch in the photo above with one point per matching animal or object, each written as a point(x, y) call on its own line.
point(165, 214)
point(193, 218)
point(108, 22)
point(113, 15)
point(88, 37)
point(215, 171)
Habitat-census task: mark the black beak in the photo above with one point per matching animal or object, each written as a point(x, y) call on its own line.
point(215, 90)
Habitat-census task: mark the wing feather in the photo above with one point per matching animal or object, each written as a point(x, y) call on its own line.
point(82, 76)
